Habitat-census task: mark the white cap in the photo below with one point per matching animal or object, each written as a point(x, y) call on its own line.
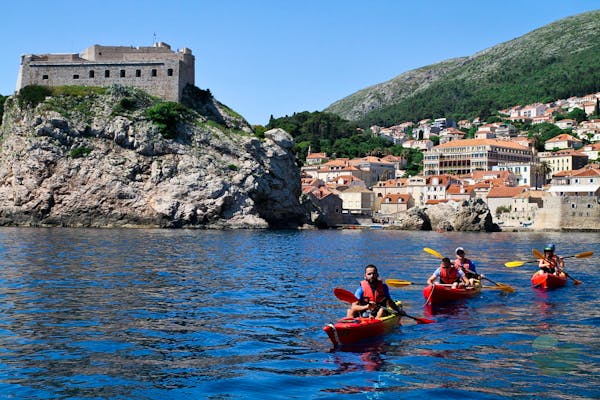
point(459, 249)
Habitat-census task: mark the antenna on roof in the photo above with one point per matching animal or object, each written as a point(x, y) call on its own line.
point(154, 35)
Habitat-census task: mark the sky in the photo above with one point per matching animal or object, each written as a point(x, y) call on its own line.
point(267, 58)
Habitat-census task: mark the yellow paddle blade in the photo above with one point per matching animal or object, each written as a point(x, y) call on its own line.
point(513, 264)
point(585, 255)
point(397, 282)
point(432, 252)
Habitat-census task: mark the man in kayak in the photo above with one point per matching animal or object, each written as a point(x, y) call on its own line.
point(467, 266)
point(448, 273)
point(373, 296)
point(551, 263)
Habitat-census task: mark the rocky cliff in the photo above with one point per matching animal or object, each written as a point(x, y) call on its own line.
point(466, 216)
point(99, 160)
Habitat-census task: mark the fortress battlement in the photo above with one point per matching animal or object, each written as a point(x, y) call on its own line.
point(156, 69)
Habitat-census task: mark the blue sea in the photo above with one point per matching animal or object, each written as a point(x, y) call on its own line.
point(172, 314)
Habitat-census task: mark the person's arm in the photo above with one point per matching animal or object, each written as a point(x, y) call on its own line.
point(463, 277)
point(432, 278)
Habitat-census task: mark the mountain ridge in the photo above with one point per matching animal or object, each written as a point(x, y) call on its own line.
point(553, 61)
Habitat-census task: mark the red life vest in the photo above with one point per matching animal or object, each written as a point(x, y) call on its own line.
point(448, 275)
point(368, 295)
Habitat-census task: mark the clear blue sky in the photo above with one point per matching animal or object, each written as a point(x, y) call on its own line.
point(277, 57)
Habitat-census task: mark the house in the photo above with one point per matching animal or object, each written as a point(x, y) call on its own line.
point(423, 145)
point(394, 203)
point(563, 160)
point(523, 173)
point(358, 200)
point(524, 208)
point(373, 169)
point(329, 205)
point(390, 186)
point(581, 182)
point(502, 197)
point(566, 123)
point(506, 130)
point(562, 141)
point(450, 134)
point(592, 151)
point(460, 192)
point(316, 158)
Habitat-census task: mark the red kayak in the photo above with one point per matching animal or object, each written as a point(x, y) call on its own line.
point(441, 293)
point(544, 280)
point(354, 330)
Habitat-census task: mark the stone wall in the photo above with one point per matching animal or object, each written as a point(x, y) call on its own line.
point(157, 70)
point(578, 213)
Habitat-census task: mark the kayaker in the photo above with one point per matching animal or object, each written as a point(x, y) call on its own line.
point(551, 263)
point(448, 273)
point(373, 296)
point(467, 266)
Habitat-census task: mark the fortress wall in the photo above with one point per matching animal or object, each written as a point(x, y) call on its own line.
point(157, 70)
point(569, 213)
point(580, 213)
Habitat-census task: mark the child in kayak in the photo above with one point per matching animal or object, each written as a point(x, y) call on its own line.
point(373, 296)
point(467, 266)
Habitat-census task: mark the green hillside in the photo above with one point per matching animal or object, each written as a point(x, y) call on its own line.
point(556, 61)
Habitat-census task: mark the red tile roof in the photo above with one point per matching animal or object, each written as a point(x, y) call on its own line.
point(505, 191)
point(481, 142)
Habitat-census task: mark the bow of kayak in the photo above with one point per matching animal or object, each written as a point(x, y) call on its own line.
point(544, 280)
point(441, 293)
point(354, 330)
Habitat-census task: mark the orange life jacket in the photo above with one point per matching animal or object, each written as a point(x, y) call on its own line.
point(448, 275)
point(376, 296)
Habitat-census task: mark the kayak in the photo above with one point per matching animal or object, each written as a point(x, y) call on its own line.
point(354, 330)
point(544, 280)
point(442, 293)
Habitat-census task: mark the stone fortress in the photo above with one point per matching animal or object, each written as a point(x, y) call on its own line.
point(157, 70)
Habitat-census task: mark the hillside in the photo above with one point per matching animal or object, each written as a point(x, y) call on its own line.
point(558, 60)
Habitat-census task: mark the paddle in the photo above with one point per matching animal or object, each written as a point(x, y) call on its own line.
point(349, 297)
point(539, 255)
point(400, 283)
point(502, 286)
point(513, 264)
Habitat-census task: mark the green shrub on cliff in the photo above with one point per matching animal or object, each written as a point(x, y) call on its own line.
point(33, 95)
point(166, 116)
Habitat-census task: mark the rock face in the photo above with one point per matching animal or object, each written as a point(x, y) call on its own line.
point(90, 162)
point(472, 215)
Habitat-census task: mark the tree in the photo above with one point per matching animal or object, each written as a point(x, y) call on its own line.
point(596, 113)
point(541, 171)
point(577, 114)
